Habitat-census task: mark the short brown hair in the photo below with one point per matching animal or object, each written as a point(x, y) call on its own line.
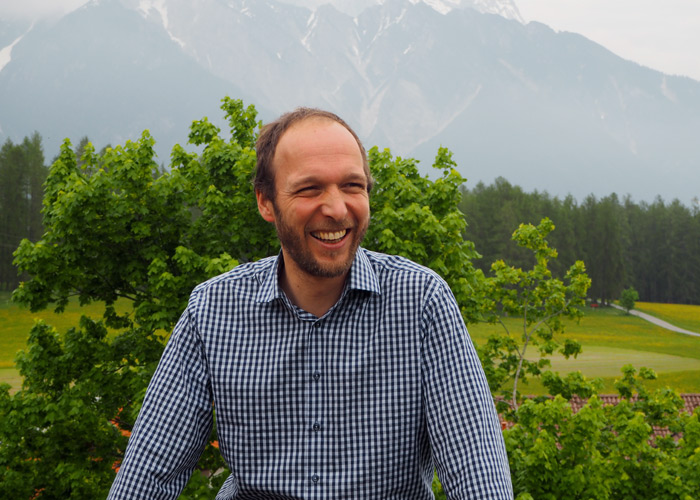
point(270, 135)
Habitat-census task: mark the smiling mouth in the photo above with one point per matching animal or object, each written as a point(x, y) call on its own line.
point(330, 236)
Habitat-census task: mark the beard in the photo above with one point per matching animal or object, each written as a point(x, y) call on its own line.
point(296, 248)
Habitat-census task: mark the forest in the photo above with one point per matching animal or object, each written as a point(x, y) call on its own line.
point(652, 247)
point(22, 175)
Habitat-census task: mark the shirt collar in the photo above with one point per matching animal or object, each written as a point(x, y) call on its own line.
point(362, 277)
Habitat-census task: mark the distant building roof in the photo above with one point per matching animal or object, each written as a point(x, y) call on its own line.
point(691, 401)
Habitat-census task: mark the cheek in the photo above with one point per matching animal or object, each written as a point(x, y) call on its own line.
point(302, 211)
point(360, 208)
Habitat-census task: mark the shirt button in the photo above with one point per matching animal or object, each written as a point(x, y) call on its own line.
point(316, 375)
point(316, 427)
point(315, 478)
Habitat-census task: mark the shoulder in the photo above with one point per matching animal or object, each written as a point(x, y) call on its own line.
point(395, 270)
point(385, 264)
point(408, 286)
point(250, 275)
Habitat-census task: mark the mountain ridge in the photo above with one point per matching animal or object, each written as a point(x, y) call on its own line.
point(548, 111)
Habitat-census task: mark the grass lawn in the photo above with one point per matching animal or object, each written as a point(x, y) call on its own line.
point(610, 340)
point(607, 361)
point(683, 315)
point(16, 322)
point(10, 376)
point(608, 327)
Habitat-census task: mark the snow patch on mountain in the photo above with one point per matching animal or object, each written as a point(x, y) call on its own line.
point(389, 21)
point(159, 6)
point(505, 8)
point(667, 92)
point(438, 5)
point(6, 52)
point(520, 75)
point(311, 25)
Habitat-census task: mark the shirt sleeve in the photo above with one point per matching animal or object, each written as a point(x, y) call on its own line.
point(465, 433)
point(174, 423)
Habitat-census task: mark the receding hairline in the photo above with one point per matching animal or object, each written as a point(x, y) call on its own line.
point(309, 120)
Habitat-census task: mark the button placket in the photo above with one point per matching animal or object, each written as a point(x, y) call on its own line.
point(315, 408)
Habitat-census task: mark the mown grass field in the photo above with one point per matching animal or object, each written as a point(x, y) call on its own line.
point(610, 340)
point(685, 316)
point(16, 322)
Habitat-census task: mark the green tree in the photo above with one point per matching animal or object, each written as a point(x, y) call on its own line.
point(606, 451)
point(125, 233)
point(652, 246)
point(683, 258)
point(628, 297)
point(662, 250)
point(541, 302)
point(419, 218)
point(602, 246)
point(117, 228)
point(22, 173)
point(493, 211)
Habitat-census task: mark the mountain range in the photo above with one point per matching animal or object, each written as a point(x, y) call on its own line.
point(547, 110)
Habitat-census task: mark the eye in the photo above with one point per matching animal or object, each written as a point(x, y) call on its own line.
point(355, 187)
point(307, 190)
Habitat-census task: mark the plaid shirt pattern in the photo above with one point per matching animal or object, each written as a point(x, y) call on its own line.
point(361, 403)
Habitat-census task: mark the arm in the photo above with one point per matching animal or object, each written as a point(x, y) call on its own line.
point(173, 425)
point(465, 433)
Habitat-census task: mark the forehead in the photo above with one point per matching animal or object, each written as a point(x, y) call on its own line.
point(316, 135)
point(314, 143)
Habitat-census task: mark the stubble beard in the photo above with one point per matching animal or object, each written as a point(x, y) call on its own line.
point(295, 248)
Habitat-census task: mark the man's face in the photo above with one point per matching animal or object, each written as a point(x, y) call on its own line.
point(321, 205)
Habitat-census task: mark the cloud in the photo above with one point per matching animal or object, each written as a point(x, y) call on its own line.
point(33, 10)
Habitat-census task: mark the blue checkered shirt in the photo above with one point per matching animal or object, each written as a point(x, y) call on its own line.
point(363, 402)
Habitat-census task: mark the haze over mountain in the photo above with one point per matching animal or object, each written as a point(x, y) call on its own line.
point(547, 111)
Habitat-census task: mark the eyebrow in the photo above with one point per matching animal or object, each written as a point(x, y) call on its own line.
point(353, 177)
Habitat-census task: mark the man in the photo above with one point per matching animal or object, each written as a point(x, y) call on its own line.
point(335, 372)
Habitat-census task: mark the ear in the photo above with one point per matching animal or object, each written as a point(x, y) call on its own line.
point(265, 207)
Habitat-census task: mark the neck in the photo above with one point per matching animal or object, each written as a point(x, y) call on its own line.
point(314, 294)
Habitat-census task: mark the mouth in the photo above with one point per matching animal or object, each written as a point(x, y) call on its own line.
point(330, 236)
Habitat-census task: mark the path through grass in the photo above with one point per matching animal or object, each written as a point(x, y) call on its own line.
point(682, 315)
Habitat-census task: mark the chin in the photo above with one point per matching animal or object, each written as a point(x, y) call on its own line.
point(331, 270)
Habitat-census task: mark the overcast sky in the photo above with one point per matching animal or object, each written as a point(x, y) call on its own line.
point(661, 34)
point(664, 35)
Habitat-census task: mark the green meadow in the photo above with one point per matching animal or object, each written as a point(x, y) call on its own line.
point(16, 322)
point(683, 315)
point(610, 339)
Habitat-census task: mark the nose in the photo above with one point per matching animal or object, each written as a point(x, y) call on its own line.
point(333, 204)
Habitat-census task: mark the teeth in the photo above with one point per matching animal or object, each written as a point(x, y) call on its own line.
point(330, 236)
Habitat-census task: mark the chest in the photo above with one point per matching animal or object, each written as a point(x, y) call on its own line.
point(277, 365)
